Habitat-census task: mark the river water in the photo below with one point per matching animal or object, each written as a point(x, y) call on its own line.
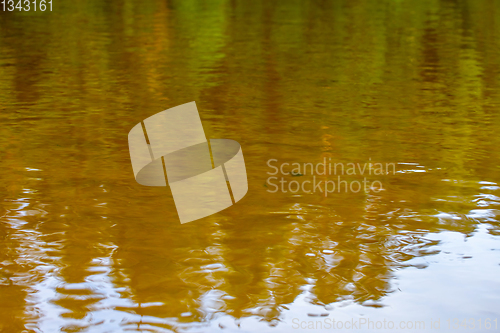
point(413, 85)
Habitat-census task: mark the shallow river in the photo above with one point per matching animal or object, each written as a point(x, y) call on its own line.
point(403, 94)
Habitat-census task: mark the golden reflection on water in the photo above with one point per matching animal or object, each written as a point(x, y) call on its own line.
point(84, 247)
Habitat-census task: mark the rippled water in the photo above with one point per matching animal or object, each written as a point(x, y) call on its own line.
point(83, 247)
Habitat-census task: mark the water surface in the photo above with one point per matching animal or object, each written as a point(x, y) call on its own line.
point(83, 247)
